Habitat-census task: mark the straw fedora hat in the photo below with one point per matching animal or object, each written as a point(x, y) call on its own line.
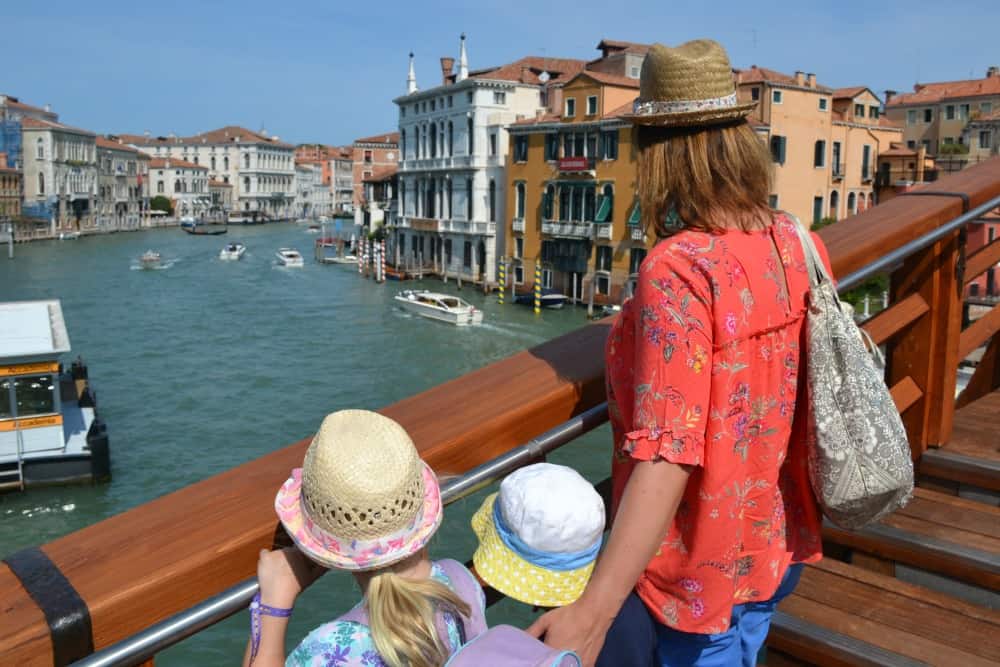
point(691, 84)
point(363, 499)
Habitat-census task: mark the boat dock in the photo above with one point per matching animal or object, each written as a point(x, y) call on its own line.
point(921, 587)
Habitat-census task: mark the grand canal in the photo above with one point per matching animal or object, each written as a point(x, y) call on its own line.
point(207, 364)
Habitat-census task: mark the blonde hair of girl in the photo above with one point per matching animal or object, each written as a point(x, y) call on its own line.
point(401, 615)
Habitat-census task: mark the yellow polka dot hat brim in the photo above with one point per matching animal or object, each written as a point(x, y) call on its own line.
point(507, 572)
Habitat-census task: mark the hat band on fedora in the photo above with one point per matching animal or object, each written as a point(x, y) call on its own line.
point(358, 548)
point(548, 560)
point(657, 107)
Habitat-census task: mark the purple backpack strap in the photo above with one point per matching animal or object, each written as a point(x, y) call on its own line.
point(506, 646)
point(466, 587)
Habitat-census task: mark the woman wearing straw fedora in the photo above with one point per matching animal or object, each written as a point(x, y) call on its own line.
point(363, 501)
point(713, 511)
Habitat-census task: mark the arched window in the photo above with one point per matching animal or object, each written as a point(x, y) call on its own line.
point(835, 205)
point(246, 184)
point(851, 204)
point(471, 143)
point(609, 197)
point(225, 163)
point(402, 143)
point(41, 149)
point(520, 201)
point(451, 139)
point(41, 184)
point(468, 198)
point(177, 186)
point(548, 203)
point(493, 201)
point(246, 160)
point(213, 163)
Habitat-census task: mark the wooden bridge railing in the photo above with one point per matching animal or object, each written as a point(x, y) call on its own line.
point(141, 566)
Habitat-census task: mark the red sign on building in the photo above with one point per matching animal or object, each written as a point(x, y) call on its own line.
point(574, 164)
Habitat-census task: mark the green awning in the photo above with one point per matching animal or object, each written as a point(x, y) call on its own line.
point(604, 210)
point(636, 216)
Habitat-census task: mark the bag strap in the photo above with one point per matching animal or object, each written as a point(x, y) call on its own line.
point(814, 263)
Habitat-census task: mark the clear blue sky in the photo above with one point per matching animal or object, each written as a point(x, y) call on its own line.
point(327, 71)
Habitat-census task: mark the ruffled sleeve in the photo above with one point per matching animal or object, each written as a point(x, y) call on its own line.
point(672, 364)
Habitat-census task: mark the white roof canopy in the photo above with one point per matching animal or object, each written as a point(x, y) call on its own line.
point(32, 329)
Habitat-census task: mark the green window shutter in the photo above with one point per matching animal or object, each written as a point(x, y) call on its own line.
point(636, 216)
point(603, 210)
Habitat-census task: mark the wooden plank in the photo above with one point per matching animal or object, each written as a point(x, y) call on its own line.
point(818, 644)
point(894, 319)
point(979, 332)
point(871, 563)
point(928, 350)
point(986, 377)
point(949, 510)
point(980, 261)
point(948, 464)
point(905, 393)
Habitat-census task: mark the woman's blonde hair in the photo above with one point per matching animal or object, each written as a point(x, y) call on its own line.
point(711, 178)
point(401, 616)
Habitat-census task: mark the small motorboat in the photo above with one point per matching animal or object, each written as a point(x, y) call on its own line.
point(69, 236)
point(150, 259)
point(289, 257)
point(441, 307)
point(550, 299)
point(342, 259)
point(232, 251)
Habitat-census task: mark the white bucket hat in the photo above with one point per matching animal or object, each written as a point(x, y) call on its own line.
point(540, 535)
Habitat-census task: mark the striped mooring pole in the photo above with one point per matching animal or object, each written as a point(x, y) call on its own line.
point(381, 261)
point(503, 280)
point(538, 287)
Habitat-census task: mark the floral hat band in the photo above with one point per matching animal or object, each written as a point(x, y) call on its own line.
point(549, 560)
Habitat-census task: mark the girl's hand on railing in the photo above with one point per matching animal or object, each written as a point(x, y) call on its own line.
point(283, 574)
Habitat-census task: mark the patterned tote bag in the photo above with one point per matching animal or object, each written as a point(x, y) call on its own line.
point(859, 458)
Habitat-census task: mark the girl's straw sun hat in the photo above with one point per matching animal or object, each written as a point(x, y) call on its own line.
point(540, 535)
point(362, 499)
point(688, 85)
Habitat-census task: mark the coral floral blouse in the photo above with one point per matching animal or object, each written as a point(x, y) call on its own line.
point(702, 370)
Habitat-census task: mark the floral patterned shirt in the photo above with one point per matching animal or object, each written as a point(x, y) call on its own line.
point(702, 370)
point(349, 644)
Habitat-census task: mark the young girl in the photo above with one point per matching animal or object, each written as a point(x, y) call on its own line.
point(363, 501)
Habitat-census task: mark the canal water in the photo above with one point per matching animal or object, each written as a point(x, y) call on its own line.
point(204, 364)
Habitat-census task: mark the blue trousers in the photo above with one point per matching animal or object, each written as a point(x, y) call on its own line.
point(737, 646)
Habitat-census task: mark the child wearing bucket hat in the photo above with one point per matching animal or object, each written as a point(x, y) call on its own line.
point(539, 537)
point(364, 502)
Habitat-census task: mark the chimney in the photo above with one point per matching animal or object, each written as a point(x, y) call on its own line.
point(463, 62)
point(411, 78)
point(992, 71)
point(800, 78)
point(811, 78)
point(48, 108)
point(447, 65)
point(889, 94)
point(917, 87)
point(525, 74)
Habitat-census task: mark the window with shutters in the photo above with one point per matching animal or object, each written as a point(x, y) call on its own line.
point(779, 145)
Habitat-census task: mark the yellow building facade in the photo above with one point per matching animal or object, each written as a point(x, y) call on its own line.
point(571, 188)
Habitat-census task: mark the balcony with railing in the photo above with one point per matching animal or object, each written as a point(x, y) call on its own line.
point(918, 587)
point(837, 171)
point(568, 229)
point(517, 224)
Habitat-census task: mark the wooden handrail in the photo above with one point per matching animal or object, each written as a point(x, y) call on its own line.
point(145, 564)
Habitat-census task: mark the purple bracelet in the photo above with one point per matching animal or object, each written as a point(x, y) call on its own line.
point(256, 610)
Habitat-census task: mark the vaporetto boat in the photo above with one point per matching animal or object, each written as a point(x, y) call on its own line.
point(437, 306)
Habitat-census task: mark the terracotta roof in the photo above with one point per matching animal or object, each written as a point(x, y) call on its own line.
point(381, 174)
point(841, 93)
point(990, 117)
point(897, 151)
point(528, 69)
point(620, 111)
point(161, 163)
point(386, 138)
point(104, 142)
point(927, 93)
point(609, 79)
point(628, 47)
point(212, 183)
point(230, 133)
point(756, 74)
point(15, 103)
point(37, 124)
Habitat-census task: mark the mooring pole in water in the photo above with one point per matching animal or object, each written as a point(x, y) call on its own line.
point(502, 277)
point(538, 287)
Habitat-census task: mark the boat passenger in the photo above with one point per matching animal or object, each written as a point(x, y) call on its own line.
point(713, 512)
point(539, 537)
point(364, 502)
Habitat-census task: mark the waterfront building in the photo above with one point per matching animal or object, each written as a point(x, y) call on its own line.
point(453, 148)
point(342, 180)
point(312, 196)
point(379, 204)
point(121, 200)
point(935, 115)
point(13, 109)
point(221, 194)
point(825, 143)
point(368, 155)
point(982, 136)
point(900, 168)
point(319, 154)
point(571, 192)
point(184, 183)
point(10, 190)
point(60, 175)
point(260, 167)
